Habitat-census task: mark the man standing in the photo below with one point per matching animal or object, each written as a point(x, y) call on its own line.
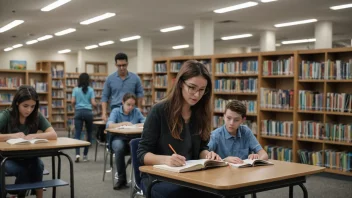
point(119, 83)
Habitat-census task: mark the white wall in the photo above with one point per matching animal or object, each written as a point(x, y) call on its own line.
point(34, 55)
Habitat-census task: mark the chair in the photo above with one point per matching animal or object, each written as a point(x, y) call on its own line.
point(100, 139)
point(136, 185)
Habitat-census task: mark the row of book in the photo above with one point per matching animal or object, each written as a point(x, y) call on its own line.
point(175, 66)
point(278, 67)
point(220, 104)
point(249, 85)
point(218, 121)
point(338, 70)
point(10, 82)
point(44, 110)
point(72, 82)
point(57, 103)
point(310, 100)
point(6, 98)
point(311, 157)
point(97, 78)
point(325, 131)
point(57, 84)
point(68, 96)
point(39, 86)
point(57, 71)
point(57, 111)
point(147, 84)
point(160, 67)
point(160, 95)
point(339, 102)
point(160, 80)
point(58, 118)
point(277, 128)
point(279, 153)
point(276, 98)
point(97, 85)
point(68, 75)
point(237, 67)
point(58, 94)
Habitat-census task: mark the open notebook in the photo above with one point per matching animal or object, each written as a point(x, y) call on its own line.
point(251, 163)
point(24, 141)
point(130, 127)
point(192, 165)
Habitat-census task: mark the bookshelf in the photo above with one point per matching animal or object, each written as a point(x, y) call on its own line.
point(96, 67)
point(299, 96)
point(56, 79)
point(10, 80)
point(147, 82)
point(71, 82)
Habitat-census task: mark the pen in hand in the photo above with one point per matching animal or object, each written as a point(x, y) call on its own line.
point(177, 159)
point(173, 150)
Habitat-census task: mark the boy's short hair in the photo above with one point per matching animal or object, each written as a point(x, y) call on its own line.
point(237, 106)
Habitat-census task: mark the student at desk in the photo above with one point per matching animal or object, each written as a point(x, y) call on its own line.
point(234, 142)
point(23, 120)
point(183, 120)
point(128, 115)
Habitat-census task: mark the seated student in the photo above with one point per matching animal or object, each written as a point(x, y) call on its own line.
point(126, 114)
point(182, 120)
point(234, 142)
point(23, 120)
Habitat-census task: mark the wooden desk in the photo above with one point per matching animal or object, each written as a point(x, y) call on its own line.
point(231, 181)
point(99, 122)
point(134, 131)
point(52, 148)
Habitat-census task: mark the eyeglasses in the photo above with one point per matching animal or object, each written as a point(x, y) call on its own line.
point(193, 90)
point(123, 65)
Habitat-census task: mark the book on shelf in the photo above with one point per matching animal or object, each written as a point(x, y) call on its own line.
point(251, 163)
point(338, 160)
point(339, 102)
point(338, 70)
point(310, 70)
point(193, 165)
point(311, 157)
point(311, 129)
point(279, 153)
point(276, 98)
point(237, 67)
point(240, 85)
point(277, 128)
point(278, 67)
point(310, 100)
point(20, 141)
point(160, 67)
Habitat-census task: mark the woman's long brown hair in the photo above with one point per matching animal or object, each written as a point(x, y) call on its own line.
point(174, 101)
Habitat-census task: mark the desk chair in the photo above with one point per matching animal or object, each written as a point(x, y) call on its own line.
point(136, 185)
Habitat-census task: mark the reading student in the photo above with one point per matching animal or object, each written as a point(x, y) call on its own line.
point(182, 120)
point(233, 141)
point(127, 114)
point(83, 99)
point(23, 120)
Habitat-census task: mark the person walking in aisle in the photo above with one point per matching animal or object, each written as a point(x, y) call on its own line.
point(83, 98)
point(118, 84)
point(23, 120)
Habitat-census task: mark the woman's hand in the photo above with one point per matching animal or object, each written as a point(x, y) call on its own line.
point(18, 135)
point(175, 160)
point(213, 156)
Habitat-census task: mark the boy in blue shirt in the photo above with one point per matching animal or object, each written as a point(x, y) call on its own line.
point(234, 142)
point(124, 115)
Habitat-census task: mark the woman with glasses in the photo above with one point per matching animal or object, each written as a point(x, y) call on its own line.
point(183, 120)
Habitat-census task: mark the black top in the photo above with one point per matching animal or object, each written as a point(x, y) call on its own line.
point(156, 136)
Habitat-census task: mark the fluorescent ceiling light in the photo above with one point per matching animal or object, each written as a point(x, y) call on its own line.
point(17, 46)
point(91, 47)
point(130, 38)
point(63, 32)
point(277, 44)
point(296, 23)
point(8, 49)
point(180, 46)
point(64, 51)
point(236, 36)
point(98, 18)
point(54, 5)
point(31, 42)
point(172, 29)
point(236, 7)
point(11, 25)
point(267, 1)
point(46, 37)
point(299, 41)
point(106, 43)
point(339, 7)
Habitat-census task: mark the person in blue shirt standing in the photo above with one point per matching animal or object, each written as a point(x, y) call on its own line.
point(128, 115)
point(233, 141)
point(119, 83)
point(83, 99)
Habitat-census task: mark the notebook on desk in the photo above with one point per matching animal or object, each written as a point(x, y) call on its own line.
point(193, 165)
point(19, 141)
point(252, 163)
point(130, 127)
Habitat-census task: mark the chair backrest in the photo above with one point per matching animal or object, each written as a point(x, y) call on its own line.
point(135, 162)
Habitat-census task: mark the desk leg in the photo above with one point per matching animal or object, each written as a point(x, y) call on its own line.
point(72, 186)
point(2, 175)
point(53, 174)
point(58, 167)
point(290, 192)
point(305, 192)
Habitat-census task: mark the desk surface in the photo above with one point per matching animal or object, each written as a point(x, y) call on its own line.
point(60, 143)
point(134, 131)
point(224, 178)
point(100, 122)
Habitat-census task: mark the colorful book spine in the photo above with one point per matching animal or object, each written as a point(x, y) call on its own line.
point(311, 129)
point(339, 102)
point(160, 67)
point(311, 70)
point(311, 157)
point(160, 81)
point(338, 132)
point(237, 67)
point(249, 85)
point(339, 160)
point(175, 66)
point(338, 70)
point(10, 82)
point(277, 128)
point(276, 98)
point(279, 153)
point(310, 100)
point(278, 67)
point(159, 95)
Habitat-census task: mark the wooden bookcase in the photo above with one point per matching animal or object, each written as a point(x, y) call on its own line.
point(284, 80)
point(57, 80)
point(71, 82)
point(147, 83)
